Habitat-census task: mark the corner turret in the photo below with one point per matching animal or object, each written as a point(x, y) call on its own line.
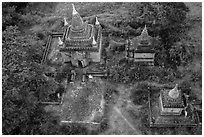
point(97, 22)
point(65, 22)
point(94, 43)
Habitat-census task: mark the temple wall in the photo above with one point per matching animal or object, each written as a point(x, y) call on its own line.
point(172, 110)
point(140, 55)
point(144, 55)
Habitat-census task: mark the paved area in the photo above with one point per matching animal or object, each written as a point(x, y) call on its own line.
point(82, 103)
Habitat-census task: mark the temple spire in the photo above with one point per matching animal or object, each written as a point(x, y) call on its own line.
point(74, 12)
point(97, 22)
point(65, 22)
point(144, 31)
point(77, 22)
point(60, 42)
point(174, 93)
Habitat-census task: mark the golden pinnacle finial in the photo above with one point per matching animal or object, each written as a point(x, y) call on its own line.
point(74, 10)
point(144, 31)
point(60, 42)
point(97, 22)
point(65, 22)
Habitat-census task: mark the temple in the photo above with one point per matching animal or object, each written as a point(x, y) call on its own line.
point(78, 45)
point(171, 109)
point(140, 49)
point(81, 42)
point(171, 102)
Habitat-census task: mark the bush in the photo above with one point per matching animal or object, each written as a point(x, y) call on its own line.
point(22, 77)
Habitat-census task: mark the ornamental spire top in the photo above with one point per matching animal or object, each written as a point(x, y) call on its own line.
point(77, 22)
point(97, 22)
point(60, 42)
point(74, 12)
point(144, 31)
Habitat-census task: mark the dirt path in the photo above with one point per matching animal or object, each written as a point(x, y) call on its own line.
point(120, 121)
point(124, 118)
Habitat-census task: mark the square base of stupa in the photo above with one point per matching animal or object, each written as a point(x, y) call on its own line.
point(158, 120)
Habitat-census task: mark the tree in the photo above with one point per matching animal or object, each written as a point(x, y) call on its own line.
point(12, 13)
point(172, 20)
point(21, 77)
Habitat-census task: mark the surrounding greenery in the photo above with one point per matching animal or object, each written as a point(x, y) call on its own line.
point(22, 79)
point(168, 22)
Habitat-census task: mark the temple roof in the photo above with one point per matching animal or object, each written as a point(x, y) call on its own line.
point(144, 35)
point(144, 41)
point(80, 38)
point(79, 35)
point(172, 98)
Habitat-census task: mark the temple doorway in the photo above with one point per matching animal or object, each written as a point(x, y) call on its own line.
point(80, 64)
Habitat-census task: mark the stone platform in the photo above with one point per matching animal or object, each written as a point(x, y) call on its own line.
point(81, 104)
point(158, 120)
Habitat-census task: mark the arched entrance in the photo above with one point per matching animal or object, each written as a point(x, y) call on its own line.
point(80, 64)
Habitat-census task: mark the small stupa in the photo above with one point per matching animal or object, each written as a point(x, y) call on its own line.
point(171, 101)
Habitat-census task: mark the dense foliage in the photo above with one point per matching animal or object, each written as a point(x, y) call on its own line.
point(19, 101)
point(21, 77)
point(12, 13)
point(124, 72)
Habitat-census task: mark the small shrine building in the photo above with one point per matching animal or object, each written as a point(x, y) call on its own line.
point(170, 108)
point(171, 101)
point(140, 49)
